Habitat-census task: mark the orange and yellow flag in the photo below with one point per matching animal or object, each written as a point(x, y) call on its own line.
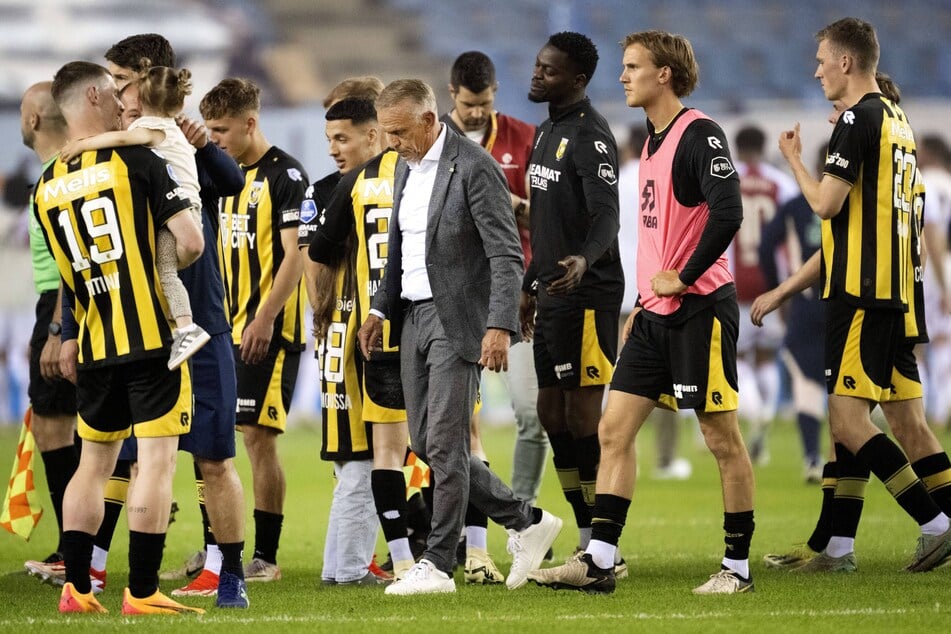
point(21, 512)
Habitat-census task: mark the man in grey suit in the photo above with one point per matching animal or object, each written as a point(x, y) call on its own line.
point(451, 291)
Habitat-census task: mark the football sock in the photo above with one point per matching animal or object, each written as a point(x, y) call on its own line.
point(823, 531)
point(935, 473)
point(889, 464)
point(587, 457)
point(563, 456)
point(77, 551)
point(849, 495)
point(840, 546)
point(389, 496)
point(100, 558)
point(60, 465)
point(207, 534)
point(231, 558)
point(738, 532)
point(609, 516)
point(145, 557)
point(477, 537)
point(213, 558)
point(602, 553)
point(739, 566)
point(267, 535)
point(117, 488)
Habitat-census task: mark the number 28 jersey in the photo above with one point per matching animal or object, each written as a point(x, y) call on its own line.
point(99, 215)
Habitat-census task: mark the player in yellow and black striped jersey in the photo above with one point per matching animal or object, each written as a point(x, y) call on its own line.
point(99, 215)
point(866, 248)
point(251, 250)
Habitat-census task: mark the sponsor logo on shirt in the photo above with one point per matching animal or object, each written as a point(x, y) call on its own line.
point(294, 174)
point(714, 142)
point(308, 210)
point(560, 152)
point(837, 159)
point(849, 117)
point(541, 175)
point(601, 147)
point(607, 174)
point(721, 167)
point(290, 215)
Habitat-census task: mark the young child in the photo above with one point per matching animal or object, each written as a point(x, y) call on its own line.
point(158, 96)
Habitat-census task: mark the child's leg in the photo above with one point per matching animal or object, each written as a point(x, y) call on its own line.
point(166, 261)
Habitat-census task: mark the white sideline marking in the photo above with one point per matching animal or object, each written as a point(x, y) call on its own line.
point(491, 618)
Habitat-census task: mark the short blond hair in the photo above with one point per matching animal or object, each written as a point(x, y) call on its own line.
point(230, 98)
point(673, 51)
point(414, 90)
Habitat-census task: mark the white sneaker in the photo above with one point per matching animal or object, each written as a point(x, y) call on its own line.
point(422, 578)
point(186, 342)
point(528, 548)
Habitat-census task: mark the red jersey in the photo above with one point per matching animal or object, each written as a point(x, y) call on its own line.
point(764, 189)
point(670, 230)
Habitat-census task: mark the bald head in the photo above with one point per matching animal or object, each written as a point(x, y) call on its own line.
point(41, 123)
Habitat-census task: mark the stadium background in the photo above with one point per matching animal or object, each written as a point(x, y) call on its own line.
point(756, 60)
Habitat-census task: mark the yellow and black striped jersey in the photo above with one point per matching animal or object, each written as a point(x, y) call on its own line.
point(250, 250)
point(866, 247)
point(99, 215)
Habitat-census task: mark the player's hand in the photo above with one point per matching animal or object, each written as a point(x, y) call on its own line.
point(790, 143)
point(255, 340)
point(370, 336)
point(629, 324)
point(71, 150)
point(764, 305)
point(49, 359)
point(526, 315)
point(667, 284)
point(195, 132)
point(495, 350)
point(68, 359)
point(575, 267)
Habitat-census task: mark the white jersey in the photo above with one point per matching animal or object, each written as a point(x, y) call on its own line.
point(179, 153)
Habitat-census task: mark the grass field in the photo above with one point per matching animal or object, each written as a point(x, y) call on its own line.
point(672, 541)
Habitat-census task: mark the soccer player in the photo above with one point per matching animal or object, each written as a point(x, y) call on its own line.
point(473, 87)
point(830, 548)
point(680, 347)
point(99, 216)
point(867, 275)
point(264, 295)
point(575, 278)
point(211, 439)
point(763, 189)
point(364, 418)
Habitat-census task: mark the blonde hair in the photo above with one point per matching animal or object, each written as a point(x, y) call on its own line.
point(366, 87)
point(673, 51)
point(230, 98)
point(163, 89)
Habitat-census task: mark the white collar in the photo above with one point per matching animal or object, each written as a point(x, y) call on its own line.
point(435, 151)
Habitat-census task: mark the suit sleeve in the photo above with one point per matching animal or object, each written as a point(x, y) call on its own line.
point(491, 209)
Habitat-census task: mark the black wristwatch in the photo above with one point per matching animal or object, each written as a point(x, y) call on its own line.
point(55, 328)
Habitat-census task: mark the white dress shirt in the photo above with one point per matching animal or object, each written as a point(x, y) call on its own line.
point(414, 214)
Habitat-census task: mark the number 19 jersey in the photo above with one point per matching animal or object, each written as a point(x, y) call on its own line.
point(99, 215)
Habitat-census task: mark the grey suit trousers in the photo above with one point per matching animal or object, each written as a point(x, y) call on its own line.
point(440, 389)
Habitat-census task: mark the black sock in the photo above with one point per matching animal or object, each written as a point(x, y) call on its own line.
point(77, 551)
point(608, 518)
point(935, 473)
point(738, 533)
point(418, 516)
point(563, 455)
point(60, 465)
point(117, 488)
point(823, 531)
point(267, 535)
point(389, 496)
point(145, 558)
point(889, 464)
point(231, 558)
point(849, 495)
point(587, 456)
point(207, 534)
point(475, 517)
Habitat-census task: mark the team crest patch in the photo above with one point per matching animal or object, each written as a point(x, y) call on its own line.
point(254, 196)
point(721, 167)
point(308, 210)
point(560, 152)
point(607, 174)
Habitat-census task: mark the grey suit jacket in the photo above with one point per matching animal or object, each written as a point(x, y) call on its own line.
point(473, 253)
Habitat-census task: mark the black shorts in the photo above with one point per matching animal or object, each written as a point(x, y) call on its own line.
point(861, 349)
point(265, 390)
point(144, 394)
point(383, 400)
point(905, 381)
point(574, 347)
point(690, 365)
point(47, 398)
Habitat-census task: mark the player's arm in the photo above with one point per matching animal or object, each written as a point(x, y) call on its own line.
point(49, 355)
point(825, 196)
point(703, 171)
point(117, 138)
point(69, 347)
point(796, 283)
